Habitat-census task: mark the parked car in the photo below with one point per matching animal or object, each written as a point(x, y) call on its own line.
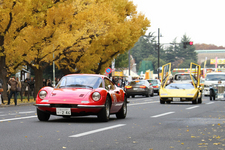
point(180, 91)
point(82, 94)
point(139, 87)
point(155, 83)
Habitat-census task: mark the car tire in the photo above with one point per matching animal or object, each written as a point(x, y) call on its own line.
point(123, 111)
point(195, 101)
point(200, 100)
point(162, 102)
point(42, 116)
point(168, 102)
point(104, 114)
point(152, 94)
point(147, 95)
point(133, 96)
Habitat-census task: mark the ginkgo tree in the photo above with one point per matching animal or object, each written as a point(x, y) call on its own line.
point(123, 31)
point(84, 33)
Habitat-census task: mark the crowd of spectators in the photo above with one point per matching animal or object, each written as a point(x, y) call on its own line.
point(24, 88)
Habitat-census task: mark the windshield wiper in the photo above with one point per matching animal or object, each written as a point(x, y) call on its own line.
point(175, 87)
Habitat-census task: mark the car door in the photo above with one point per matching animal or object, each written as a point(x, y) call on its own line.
point(166, 71)
point(114, 94)
point(195, 72)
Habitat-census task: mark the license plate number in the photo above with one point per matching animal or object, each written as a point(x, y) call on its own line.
point(135, 88)
point(176, 99)
point(63, 111)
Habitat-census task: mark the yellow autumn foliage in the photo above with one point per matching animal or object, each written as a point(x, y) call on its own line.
point(86, 34)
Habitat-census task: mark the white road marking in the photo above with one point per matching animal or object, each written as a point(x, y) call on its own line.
point(162, 114)
point(27, 112)
point(210, 103)
point(98, 130)
point(17, 118)
point(142, 103)
point(192, 107)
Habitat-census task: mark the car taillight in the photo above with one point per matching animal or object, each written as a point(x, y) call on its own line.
point(143, 87)
point(128, 87)
point(155, 86)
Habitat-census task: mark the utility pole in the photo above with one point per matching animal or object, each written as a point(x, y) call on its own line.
point(158, 50)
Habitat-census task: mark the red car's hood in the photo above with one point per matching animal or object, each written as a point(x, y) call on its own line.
point(69, 95)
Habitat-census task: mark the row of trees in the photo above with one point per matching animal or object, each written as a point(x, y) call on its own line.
point(146, 50)
point(80, 36)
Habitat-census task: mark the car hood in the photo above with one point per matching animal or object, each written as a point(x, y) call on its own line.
point(178, 92)
point(69, 95)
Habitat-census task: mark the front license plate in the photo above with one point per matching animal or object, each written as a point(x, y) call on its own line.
point(135, 88)
point(63, 111)
point(175, 99)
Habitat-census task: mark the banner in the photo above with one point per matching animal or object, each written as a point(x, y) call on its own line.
point(219, 61)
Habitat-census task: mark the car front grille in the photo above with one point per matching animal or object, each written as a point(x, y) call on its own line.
point(64, 105)
point(221, 89)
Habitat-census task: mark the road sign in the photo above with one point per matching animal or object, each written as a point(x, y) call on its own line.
point(108, 70)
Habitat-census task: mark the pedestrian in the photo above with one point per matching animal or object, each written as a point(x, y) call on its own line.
point(13, 83)
point(31, 86)
point(1, 90)
point(48, 83)
point(26, 87)
point(18, 85)
point(44, 82)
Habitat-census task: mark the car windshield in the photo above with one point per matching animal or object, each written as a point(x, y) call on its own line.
point(182, 77)
point(153, 81)
point(180, 86)
point(80, 81)
point(215, 77)
point(138, 82)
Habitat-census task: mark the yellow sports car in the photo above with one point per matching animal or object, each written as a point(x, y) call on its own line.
point(180, 91)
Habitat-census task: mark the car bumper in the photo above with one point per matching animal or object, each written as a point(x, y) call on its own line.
point(206, 91)
point(73, 106)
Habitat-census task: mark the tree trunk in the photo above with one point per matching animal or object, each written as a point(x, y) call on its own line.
point(38, 80)
point(3, 76)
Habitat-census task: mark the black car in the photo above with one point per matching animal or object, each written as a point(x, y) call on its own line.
point(139, 87)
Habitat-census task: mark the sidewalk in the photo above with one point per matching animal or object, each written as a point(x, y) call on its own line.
point(19, 103)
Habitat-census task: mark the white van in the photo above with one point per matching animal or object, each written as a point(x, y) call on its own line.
point(212, 78)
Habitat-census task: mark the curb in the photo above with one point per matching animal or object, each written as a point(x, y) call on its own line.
point(21, 104)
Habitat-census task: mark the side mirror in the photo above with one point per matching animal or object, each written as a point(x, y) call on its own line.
point(109, 87)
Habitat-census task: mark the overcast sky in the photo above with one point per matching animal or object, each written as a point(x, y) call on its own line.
point(201, 20)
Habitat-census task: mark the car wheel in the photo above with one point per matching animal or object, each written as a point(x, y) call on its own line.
point(162, 102)
point(42, 116)
point(133, 96)
point(105, 112)
point(147, 95)
point(195, 101)
point(200, 100)
point(123, 111)
point(168, 102)
point(152, 94)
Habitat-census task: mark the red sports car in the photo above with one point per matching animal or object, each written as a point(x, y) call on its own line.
point(82, 94)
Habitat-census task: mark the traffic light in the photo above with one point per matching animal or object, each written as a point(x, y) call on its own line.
point(187, 43)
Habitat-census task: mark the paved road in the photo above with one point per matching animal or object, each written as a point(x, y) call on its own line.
point(149, 125)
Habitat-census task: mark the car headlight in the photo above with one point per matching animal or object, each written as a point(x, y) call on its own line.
point(42, 94)
point(96, 96)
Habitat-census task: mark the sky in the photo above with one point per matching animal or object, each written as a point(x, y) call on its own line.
point(203, 21)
